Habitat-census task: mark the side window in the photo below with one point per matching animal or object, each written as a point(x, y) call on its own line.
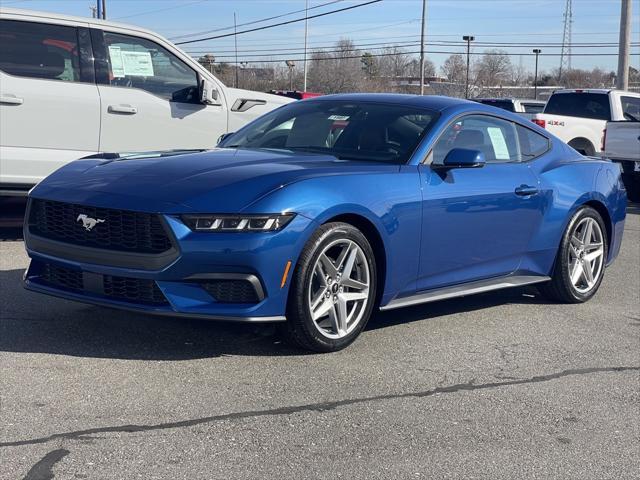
point(39, 50)
point(139, 63)
point(532, 144)
point(494, 137)
point(533, 107)
point(631, 108)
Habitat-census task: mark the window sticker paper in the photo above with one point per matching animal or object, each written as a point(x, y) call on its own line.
point(137, 64)
point(115, 55)
point(498, 142)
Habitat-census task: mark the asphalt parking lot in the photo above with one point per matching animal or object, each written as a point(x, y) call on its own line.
point(501, 385)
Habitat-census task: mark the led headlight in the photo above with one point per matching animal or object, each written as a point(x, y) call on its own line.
point(237, 223)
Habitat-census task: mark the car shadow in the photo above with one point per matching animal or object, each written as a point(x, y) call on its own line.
point(33, 323)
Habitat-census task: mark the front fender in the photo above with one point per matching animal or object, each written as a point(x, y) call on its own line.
point(390, 202)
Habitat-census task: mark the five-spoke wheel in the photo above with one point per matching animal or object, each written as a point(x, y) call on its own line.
point(338, 290)
point(580, 262)
point(333, 289)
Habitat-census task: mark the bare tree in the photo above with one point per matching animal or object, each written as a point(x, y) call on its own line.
point(338, 70)
point(494, 68)
point(454, 68)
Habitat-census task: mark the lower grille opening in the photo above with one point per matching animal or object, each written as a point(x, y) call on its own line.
point(136, 290)
point(62, 277)
point(231, 291)
point(133, 290)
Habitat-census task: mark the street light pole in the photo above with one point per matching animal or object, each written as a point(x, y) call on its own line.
point(537, 51)
point(468, 39)
point(424, 14)
point(290, 64)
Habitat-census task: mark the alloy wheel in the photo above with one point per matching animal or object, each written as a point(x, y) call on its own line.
point(586, 255)
point(338, 290)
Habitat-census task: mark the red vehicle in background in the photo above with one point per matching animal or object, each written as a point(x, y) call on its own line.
point(295, 94)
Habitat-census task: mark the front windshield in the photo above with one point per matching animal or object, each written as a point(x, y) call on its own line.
point(344, 129)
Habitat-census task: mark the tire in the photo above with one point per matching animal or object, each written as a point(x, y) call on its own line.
point(346, 248)
point(576, 257)
point(583, 146)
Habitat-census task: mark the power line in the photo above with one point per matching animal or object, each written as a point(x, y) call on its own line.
point(205, 32)
point(156, 10)
point(527, 53)
point(288, 22)
point(410, 43)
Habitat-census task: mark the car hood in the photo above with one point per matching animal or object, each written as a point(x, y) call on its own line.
point(220, 180)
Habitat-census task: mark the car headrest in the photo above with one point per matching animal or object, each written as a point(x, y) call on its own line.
point(469, 138)
point(38, 63)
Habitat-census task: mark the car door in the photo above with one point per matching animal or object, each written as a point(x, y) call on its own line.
point(477, 222)
point(49, 104)
point(149, 98)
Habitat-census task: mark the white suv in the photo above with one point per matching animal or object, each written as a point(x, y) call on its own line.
point(71, 87)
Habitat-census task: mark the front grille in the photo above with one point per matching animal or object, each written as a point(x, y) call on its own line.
point(231, 291)
point(120, 230)
point(62, 277)
point(133, 290)
point(136, 290)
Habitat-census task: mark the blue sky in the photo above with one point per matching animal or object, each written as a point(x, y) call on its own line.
point(501, 21)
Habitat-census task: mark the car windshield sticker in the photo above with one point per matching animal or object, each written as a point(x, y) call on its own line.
point(115, 55)
point(499, 145)
point(339, 117)
point(137, 64)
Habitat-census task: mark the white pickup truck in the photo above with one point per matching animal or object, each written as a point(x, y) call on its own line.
point(72, 87)
point(622, 145)
point(579, 117)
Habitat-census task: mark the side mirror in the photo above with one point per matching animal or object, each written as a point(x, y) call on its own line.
point(224, 136)
point(208, 93)
point(463, 158)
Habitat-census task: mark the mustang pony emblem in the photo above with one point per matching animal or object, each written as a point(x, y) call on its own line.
point(87, 222)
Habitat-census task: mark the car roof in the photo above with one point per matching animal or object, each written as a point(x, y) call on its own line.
point(432, 102)
point(584, 90)
point(53, 17)
point(507, 99)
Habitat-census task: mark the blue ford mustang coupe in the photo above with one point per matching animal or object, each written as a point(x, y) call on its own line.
point(324, 210)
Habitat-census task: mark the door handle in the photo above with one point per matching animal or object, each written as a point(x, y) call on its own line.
point(126, 109)
point(526, 190)
point(11, 100)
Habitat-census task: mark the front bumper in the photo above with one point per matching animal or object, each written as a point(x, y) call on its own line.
point(259, 258)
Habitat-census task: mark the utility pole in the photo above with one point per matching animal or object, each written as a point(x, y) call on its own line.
point(537, 51)
point(622, 82)
point(104, 9)
point(235, 41)
point(94, 11)
point(424, 14)
point(306, 31)
point(99, 8)
point(468, 39)
point(565, 54)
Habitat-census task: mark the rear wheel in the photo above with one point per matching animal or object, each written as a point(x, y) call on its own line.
point(583, 146)
point(580, 262)
point(333, 289)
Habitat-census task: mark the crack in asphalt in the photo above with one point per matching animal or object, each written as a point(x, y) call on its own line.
point(43, 470)
point(312, 407)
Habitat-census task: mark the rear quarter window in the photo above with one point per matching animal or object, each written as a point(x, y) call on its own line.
point(583, 105)
point(532, 144)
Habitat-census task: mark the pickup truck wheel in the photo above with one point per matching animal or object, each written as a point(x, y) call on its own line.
point(583, 146)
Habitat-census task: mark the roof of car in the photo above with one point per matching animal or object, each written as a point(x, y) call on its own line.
point(507, 99)
point(433, 102)
point(50, 16)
